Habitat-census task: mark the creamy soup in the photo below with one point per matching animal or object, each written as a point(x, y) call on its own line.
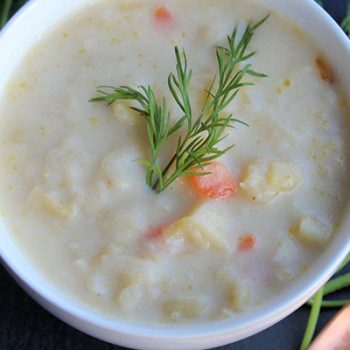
point(74, 193)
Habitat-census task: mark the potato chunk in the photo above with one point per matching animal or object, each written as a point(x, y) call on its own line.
point(286, 259)
point(130, 296)
point(311, 230)
point(255, 184)
point(187, 308)
point(239, 296)
point(51, 205)
point(262, 182)
point(284, 177)
point(120, 276)
point(205, 228)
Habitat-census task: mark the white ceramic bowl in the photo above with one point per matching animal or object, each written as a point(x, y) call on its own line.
point(28, 26)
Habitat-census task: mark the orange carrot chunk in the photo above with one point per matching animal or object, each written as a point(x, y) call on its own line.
point(246, 242)
point(219, 184)
point(162, 14)
point(154, 233)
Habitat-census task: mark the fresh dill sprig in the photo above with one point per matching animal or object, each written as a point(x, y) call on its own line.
point(200, 136)
point(346, 22)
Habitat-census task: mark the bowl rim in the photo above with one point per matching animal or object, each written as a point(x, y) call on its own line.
point(83, 318)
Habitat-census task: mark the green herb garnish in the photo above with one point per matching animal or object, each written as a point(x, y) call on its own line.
point(5, 12)
point(311, 325)
point(346, 22)
point(331, 304)
point(199, 137)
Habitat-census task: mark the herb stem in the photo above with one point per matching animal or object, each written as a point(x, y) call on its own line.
point(331, 303)
point(337, 283)
point(344, 263)
point(346, 22)
point(5, 13)
point(164, 172)
point(312, 322)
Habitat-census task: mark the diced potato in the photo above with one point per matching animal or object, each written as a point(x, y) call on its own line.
point(286, 259)
point(188, 308)
point(223, 314)
point(311, 230)
point(41, 199)
point(130, 296)
point(112, 272)
point(130, 270)
point(204, 228)
point(284, 177)
point(121, 110)
point(239, 296)
point(255, 185)
point(262, 182)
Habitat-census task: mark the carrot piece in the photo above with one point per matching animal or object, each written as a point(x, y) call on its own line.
point(246, 242)
point(154, 233)
point(325, 70)
point(219, 184)
point(162, 14)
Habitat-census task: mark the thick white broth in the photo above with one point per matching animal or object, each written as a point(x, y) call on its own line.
point(75, 197)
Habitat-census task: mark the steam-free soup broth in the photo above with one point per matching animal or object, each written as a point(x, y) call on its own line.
point(74, 192)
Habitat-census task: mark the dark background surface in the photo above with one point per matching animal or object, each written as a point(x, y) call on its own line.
point(24, 325)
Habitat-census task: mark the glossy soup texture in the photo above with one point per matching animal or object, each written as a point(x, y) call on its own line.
point(74, 195)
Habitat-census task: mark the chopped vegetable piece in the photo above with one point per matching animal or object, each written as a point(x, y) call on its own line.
point(262, 182)
point(286, 259)
point(186, 308)
point(284, 177)
point(130, 296)
point(204, 227)
point(239, 296)
point(162, 14)
point(155, 233)
point(326, 72)
point(152, 241)
point(218, 184)
point(246, 242)
point(54, 206)
point(254, 183)
point(311, 230)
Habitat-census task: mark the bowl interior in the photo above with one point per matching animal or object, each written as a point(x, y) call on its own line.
point(28, 26)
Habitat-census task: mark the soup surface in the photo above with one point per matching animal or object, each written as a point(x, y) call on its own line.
point(75, 196)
